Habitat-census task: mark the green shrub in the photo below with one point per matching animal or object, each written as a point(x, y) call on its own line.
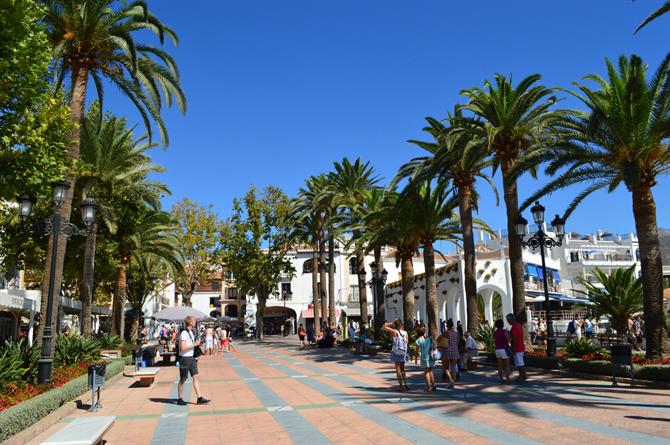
point(580, 347)
point(542, 362)
point(19, 417)
point(485, 337)
point(385, 340)
point(107, 341)
point(600, 367)
point(12, 365)
point(75, 348)
point(658, 373)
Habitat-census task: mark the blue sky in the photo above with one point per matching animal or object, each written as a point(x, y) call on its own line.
point(277, 91)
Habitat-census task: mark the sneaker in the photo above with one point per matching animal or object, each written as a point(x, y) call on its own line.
point(181, 402)
point(202, 401)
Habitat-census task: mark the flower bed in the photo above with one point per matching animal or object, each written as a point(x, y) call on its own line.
point(20, 416)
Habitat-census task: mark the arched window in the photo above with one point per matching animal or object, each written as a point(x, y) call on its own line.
point(353, 266)
point(307, 266)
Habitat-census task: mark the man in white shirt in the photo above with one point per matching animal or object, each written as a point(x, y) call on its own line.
point(188, 363)
point(470, 350)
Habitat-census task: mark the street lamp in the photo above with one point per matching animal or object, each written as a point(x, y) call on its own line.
point(378, 280)
point(541, 240)
point(286, 295)
point(55, 227)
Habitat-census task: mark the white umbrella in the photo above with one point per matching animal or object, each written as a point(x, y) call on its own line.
point(178, 313)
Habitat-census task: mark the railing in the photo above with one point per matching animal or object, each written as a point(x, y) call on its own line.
point(606, 257)
point(565, 315)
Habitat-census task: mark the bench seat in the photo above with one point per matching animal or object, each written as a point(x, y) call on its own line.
point(82, 431)
point(146, 375)
point(167, 357)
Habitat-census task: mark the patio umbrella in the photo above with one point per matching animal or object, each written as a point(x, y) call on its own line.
point(178, 313)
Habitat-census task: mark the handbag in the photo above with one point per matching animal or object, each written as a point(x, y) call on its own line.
point(437, 355)
point(197, 352)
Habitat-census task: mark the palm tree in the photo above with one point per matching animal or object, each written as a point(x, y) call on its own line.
point(622, 138)
point(351, 181)
point(664, 9)
point(147, 231)
point(94, 39)
point(617, 296)
point(512, 120)
point(112, 163)
point(432, 217)
point(456, 154)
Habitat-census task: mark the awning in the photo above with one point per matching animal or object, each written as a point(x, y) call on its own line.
point(538, 296)
point(13, 300)
point(531, 270)
point(309, 313)
point(557, 276)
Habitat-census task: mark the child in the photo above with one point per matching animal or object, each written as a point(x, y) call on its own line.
point(426, 348)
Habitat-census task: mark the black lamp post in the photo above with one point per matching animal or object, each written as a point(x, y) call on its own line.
point(55, 227)
point(286, 296)
point(541, 240)
point(378, 280)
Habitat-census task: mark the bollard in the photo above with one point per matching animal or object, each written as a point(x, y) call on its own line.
point(96, 378)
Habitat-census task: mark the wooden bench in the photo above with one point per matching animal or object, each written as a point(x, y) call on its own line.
point(82, 431)
point(146, 375)
point(111, 353)
point(167, 357)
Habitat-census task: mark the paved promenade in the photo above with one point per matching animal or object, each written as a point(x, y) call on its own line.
point(274, 393)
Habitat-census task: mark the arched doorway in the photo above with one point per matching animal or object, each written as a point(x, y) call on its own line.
point(276, 316)
point(231, 310)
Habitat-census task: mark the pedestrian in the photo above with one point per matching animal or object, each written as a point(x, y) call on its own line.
point(351, 332)
point(209, 340)
point(399, 351)
point(443, 349)
point(452, 354)
point(588, 328)
point(311, 339)
point(518, 346)
point(224, 340)
point(281, 330)
point(578, 327)
point(426, 347)
point(470, 351)
point(533, 330)
point(188, 362)
point(502, 346)
point(301, 335)
point(571, 329)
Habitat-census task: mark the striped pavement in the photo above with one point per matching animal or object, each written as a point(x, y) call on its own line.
point(271, 392)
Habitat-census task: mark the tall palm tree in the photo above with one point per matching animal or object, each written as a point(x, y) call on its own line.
point(146, 230)
point(352, 180)
point(112, 163)
point(622, 139)
point(617, 296)
point(512, 120)
point(95, 40)
point(457, 155)
point(432, 217)
point(664, 9)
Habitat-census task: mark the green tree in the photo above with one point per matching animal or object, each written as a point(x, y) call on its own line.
point(622, 138)
point(256, 240)
point(513, 119)
point(95, 40)
point(664, 9)
point(456, 155)
point(617, 296)
point(201, 243)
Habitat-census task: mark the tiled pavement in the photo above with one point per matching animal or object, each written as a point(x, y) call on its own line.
point(274, 393)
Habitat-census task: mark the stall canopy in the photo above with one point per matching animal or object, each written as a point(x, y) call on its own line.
point(538, 296)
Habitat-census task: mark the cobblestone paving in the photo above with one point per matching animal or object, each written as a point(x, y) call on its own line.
point(271, 392)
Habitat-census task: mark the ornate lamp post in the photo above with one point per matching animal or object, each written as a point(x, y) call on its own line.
point(378, 280)
point(541, 240)
point(55, 227)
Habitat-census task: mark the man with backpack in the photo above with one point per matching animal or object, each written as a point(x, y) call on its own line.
point(188, 353)
point(571, 329)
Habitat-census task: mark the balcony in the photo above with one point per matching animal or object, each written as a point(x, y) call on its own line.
point(538, 285)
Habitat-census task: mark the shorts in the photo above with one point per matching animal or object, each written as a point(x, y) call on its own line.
point(398, 358)
point(501, 353)
point(518, 360)
point(187, 365)
point(209, 344)
point(301, 337)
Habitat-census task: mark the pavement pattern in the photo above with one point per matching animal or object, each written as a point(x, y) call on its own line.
point(272, 392)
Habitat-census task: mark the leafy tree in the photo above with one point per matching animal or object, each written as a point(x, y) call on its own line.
point(200, 240)
point(95, 40)
point(664, 9)
point(256, 240)
point(512, 120)
point(622, 138)
point(617, 296)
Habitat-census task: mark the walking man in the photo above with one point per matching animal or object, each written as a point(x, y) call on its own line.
point(188, 361)
point(518, 346)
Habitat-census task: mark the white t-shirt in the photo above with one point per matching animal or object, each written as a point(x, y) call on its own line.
point(185, 336)
point(224, 334)
point(470, 343)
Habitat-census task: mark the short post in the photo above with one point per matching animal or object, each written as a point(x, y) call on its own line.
point(96, 378)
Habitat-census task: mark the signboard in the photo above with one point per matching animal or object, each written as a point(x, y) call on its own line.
point(14, 301)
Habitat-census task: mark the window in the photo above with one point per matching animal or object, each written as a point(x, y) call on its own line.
point(307, 266)
point(574, 257)
point(232, 293)
point(214, 302)
point(216, 286)
point(228, 275)
point(286, 289)
point(353, 266)
point(354, 296)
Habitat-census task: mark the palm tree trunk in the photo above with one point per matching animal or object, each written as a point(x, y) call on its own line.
point(331, 281)
point(118, 307)
point(407, 272)
point(380, 316)
point(470, 279)
point(323, 279)
point(77, 104)
point(431, 289)
point(656, 332)
point(362, 287)
point(315, 288)
point(515, 251)
point(88, 281)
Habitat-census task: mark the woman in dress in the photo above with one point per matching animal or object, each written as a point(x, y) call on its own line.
point(443, 347)
point(502, 346)
point(426, 347)
point(452, 354)
point(399, 351)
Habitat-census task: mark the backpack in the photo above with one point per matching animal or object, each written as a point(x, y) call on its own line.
point(571, 327)
point(399, 344)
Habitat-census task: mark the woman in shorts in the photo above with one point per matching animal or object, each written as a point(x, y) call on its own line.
point(426, 347)
point(399, 351)
point(502, 346)
point(301, 335)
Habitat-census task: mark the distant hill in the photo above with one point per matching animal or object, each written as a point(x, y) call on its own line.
point(664, 236)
